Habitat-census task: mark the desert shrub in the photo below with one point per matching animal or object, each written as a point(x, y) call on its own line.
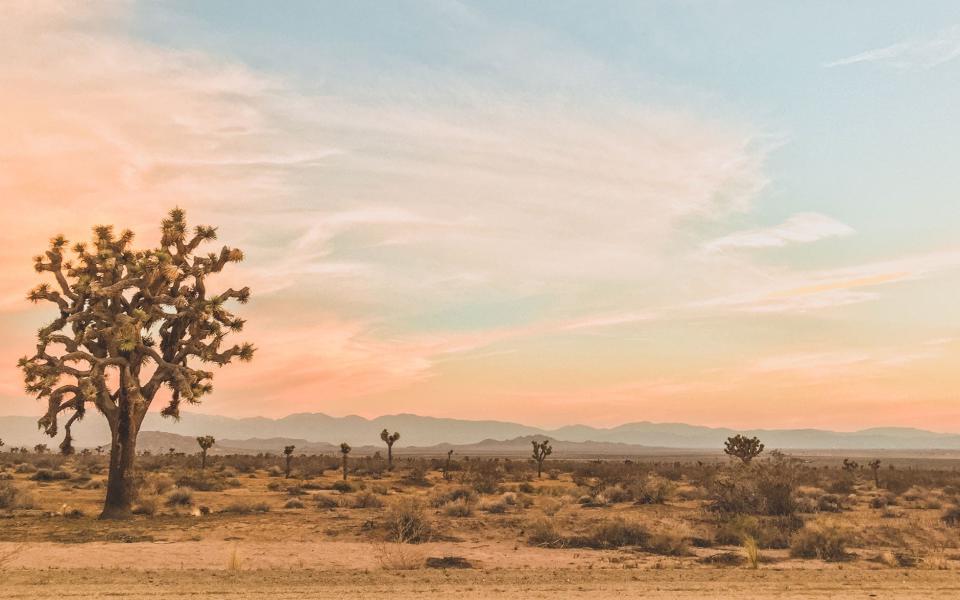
point(201, 482)
point(296, 490)
point(25, 468)
point(526, 488)
point(146, 505)
point(614, 533)
point(8, 494)
point(543, 532)
point(484, 476)
point(50, 475)
point(325, 501)
point(407, 523)
point(767, 532)
point(344, 487)
point(458, 508)
point(830, 503)
point(275, 471)
point(951, 516)
point(668, 543)
point(843, 484)
point(156, 484)
point(553, 474)
point(245, 507)
point(367, 500)
point(496, 507)
point(180, 496)
point(294, 503)
point(417, 475)
point(615, 493)
point(452, 494)
point(653, 489)
point(274, 486)
point(821, 540)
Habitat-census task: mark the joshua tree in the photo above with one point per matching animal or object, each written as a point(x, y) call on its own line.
point(541, 450)
point(206, 442)
point(389, 439)
point(742, 447)
point(130, 322)
point(446, 467)
point(850, 465)
point(1, 442)
point(41, 449)
point(345, 450)
point(875, 467)
point(288, 454)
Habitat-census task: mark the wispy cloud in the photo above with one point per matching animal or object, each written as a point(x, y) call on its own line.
point(798, 229)
point(912, 54)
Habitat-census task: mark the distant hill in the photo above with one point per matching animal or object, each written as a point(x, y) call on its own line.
point(426, 432)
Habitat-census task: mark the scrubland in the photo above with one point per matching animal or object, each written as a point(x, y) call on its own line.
point(779, 526)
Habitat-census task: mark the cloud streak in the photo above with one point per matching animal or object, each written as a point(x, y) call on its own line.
point(927, 53)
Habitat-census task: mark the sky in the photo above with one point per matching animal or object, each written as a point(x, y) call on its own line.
point(723, 213)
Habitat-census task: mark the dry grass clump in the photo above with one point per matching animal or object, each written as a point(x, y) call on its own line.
point(608, 534)
point(407, 523)
point(367, 500)
point(951, 516)
point(751, 552)
point(458, 508)
point(399, 557)
point(444, 497)
point(180, 496)
point(826, 541)
point(146, 505)
point(8, 494)
point(294, 503)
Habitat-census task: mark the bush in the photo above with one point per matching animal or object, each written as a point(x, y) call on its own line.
point(452, 495)
point(653, 490)
point(325, 501)
point(180, 497)
point(49, 475)
point(146, 505)
point(543, 532)
point(767, 532)
point(951, 516)
point(344, 487)
point(367, 500)
point(406, 523)
point(820, 540)
point(8, 495)
point(458, 508)
point(293, 503)
point(615, 533)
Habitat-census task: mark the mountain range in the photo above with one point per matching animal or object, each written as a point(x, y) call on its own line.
point(422, 432)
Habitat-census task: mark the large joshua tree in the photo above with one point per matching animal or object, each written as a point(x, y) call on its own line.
point(130, 323)
point(389, 439)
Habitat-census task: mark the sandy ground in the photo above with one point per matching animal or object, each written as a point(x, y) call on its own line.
point(535, 583)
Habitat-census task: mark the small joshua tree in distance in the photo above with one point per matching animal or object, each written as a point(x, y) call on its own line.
point(541, 450)
point(1, 444)
point(446, 467)
point(742, 447)
point(390, 439)
point(130, 323)
point(206, 442)
point(875, 467)
point(345, 450)
point(288, 454)
point(41, 449)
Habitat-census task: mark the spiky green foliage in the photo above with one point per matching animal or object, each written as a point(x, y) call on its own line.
point(742, 447)
point(130, 323)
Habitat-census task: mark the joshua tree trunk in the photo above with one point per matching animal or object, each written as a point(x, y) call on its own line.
point(203, 459)
point(286, 470)
point(344, 467)
point(389, 457)
point(539, 469)
point(123, 452)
